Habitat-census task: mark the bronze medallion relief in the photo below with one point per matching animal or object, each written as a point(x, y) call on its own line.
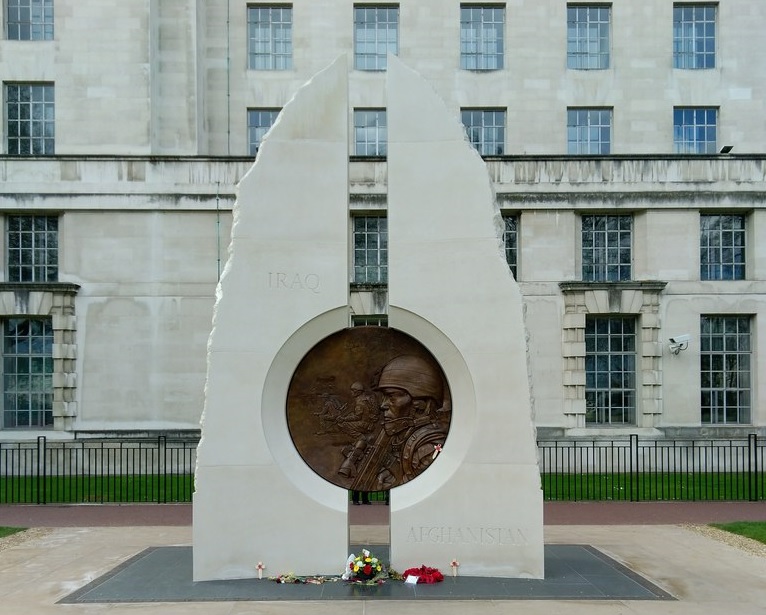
point(368, 408)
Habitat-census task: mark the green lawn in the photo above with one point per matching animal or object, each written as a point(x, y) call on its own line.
point(751, 529)
point(654, 486)
point(98, 489)
point(7, 531)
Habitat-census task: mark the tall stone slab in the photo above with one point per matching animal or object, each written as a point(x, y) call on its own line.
point(284, 288)
point(480, 502)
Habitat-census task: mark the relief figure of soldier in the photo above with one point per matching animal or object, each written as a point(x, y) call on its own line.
point(394, 420)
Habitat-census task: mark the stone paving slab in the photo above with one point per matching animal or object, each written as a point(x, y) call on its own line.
point(572, 572)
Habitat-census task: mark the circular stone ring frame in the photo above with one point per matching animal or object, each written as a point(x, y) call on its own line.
point(274, 416)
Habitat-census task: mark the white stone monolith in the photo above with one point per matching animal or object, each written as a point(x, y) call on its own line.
point(480, 502)
point(283, 289)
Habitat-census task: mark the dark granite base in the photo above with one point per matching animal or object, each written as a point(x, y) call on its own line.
point(572, 572)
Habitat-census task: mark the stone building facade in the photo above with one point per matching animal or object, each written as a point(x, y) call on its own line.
point(630, 224)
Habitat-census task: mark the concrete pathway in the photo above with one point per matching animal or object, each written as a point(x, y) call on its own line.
point(707, 576)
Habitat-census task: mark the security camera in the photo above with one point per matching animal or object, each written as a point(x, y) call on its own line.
point(679, 343)
point(680, 339)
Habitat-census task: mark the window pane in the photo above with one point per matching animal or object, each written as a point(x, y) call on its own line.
point(370, 250)
point(510, 239)
point(376, 34)
point(589, 131)
point(28, 373)
point(29, 20)
point(610, 361)
point(725, 364)
point(694, 34)
point(32, 248)
point(370, 132)
point(485, 129)
point(695, 130)
point(606, 248)
point(30, 119)
point(259, 121)
point(481, 37)
point(588, 37)
point(719, 259)
point(270, 37)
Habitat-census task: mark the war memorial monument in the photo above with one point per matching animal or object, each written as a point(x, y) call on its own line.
point(300, 407)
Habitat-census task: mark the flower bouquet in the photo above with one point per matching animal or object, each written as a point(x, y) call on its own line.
point(363, 568)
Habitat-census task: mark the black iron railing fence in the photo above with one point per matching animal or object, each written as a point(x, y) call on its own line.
point(162, 470)
point(635, 470)
point(144, 470)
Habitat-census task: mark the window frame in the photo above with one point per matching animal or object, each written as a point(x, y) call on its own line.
point(726, 369)
point(30, 118)
point(723, 246)
point(611, 359)
point(32, 253)
point(581, 20)
point(579, 134)
point(370, 122)
point(273, 50)
point(369, 320)
point(31, 379)
point(380, 26)
point(511, 242)
point(687, 37)
point(485, 135)
point(256, 132)
point(606, 242)
point(369, 265)
point(38, 27)
point(483, 51)
point(692, 130)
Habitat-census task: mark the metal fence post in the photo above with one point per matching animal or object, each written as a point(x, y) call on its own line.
point(41, 448)
point(752, 466)
point(162, 497)
point(634, 486)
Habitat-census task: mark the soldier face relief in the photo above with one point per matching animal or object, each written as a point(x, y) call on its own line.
point(368, 408)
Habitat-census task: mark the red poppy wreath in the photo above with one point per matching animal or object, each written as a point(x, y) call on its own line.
point(424, 574)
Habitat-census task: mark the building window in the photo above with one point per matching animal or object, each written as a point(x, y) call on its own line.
point(370, 320)
point(694, 130)
point(270, 37)
point(486, 130)
point(589, 131)
point(370, 250)
point(694, 35)
point(259, 121)
point(370, 132)
point(511, 241)
point(27, 373)
point(588, 36)
point(30, 115)
point(29, 20)
point(610, 370)
point(376, 34)
point(722, 247)
point(481, 36)
point(32, 248)
point(725, 352)
point(606, 248)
